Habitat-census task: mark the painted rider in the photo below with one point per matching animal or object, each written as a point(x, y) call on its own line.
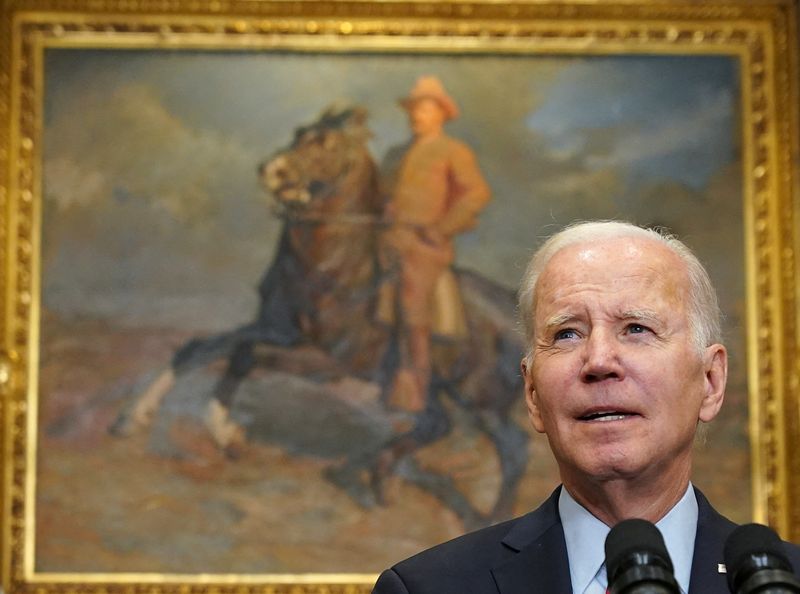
point(436, 191)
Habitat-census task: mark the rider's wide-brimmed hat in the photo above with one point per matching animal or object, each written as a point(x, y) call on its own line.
point(430, 87)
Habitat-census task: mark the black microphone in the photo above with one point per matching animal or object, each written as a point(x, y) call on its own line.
point(637, 561)
point(756, 563)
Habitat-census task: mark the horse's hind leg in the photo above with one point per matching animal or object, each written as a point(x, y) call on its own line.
point(443, 487)
point(511, 443)
point(396, 457)
point(140, 415)
point(430, 425)
point(379, 464)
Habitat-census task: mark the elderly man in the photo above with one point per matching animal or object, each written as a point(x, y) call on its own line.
point(624, 362)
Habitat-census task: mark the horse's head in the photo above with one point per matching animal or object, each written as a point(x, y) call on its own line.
point(320, 156)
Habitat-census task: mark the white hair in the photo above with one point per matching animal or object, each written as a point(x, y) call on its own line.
point(703, 310)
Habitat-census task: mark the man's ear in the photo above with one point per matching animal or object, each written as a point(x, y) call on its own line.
point(531, 398)
point(715, 368)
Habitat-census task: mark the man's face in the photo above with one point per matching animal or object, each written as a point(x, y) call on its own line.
point(616, 381)
point(426, 117)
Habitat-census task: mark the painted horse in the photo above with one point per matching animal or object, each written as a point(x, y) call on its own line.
point(322, 289)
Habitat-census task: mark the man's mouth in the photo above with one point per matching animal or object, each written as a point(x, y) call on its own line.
point(606, 416)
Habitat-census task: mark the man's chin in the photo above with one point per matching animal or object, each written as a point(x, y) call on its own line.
point(618, 467)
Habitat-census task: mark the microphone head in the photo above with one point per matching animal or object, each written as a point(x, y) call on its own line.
point(752, 547)
point(635, 542)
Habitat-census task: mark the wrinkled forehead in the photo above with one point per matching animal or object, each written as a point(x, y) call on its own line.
point(634, 264)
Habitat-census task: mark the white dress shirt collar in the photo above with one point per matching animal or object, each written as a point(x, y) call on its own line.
point(585, 538)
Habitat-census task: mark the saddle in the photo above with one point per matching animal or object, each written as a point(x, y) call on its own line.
point(449, 319)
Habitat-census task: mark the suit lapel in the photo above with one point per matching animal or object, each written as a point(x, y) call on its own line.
point(712, 530)
point(540, 565)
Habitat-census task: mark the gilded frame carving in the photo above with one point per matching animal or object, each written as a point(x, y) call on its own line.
point(761, 35)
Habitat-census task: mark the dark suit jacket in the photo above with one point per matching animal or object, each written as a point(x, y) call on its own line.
point(528, 555)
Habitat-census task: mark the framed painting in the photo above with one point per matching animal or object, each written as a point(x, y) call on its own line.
point(199, 367)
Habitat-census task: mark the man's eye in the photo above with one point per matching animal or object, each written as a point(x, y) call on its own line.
point(637, 329)
point(565, 334)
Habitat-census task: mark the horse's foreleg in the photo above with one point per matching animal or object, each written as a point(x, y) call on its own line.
point(145, 406)
point(192, 355)
point(228, 434)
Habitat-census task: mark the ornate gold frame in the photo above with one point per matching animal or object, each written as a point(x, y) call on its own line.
point(762, 35)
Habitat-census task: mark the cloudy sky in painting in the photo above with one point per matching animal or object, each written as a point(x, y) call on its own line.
point(152, 156)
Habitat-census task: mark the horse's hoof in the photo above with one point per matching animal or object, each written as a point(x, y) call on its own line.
point(237, 446)
point(227, 434)
point(378, 486)
point(348, 479)
point(379, 474)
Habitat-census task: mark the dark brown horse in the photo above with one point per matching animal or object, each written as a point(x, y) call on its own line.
point(322, 289)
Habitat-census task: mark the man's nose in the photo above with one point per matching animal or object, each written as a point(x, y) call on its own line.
point(601, 359)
